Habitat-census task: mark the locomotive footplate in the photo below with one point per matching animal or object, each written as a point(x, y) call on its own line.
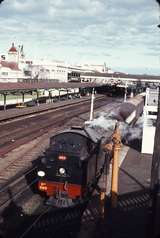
point(60, 200)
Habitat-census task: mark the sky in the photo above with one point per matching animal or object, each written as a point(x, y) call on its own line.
point(122, 33)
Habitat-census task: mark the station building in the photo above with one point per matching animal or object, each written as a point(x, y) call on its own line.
point(10, 70)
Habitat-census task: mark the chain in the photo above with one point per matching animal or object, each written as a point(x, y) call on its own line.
point(93, 184)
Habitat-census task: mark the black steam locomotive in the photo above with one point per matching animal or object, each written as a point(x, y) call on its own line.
point(68, 172)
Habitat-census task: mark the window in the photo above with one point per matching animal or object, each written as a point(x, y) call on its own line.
point(5, 73)
point(152, 113)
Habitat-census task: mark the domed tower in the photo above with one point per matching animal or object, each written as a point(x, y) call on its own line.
point(13, 54)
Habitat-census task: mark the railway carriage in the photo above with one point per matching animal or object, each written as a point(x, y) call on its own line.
point(130, 110)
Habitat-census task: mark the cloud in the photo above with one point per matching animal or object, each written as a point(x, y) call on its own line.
point(98, 30)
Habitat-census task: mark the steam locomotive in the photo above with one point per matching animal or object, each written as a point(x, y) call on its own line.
point(68, 172)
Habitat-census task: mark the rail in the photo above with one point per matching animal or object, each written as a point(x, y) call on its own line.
point(15, 113)
point(22, 134)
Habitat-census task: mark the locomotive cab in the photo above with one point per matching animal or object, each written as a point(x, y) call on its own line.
point(70, 163)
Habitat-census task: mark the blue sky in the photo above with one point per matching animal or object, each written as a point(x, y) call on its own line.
point(122, 33)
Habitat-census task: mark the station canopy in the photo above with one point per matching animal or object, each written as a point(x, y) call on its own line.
point(13, 87)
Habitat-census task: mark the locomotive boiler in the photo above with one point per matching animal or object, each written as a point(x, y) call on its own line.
point(68, 172)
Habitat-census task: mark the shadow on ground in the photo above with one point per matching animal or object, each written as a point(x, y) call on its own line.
point(129, 220)
point(48, 222)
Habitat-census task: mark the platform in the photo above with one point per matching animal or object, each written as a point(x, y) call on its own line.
point(17, 112)
point(131, 217)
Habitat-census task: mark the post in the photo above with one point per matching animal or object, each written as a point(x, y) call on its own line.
point(49, 98)
point(59, 94)
point(115, 166)
point(22, 97)
point(4, 105)
point(67, 94)
point(131, 95)
point(37, 98)
point(92, 105)
point(125, 92)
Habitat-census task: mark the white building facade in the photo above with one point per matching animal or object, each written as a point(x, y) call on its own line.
point(14, 68)
point(9, 68)
point(48, 70)
point(150, 117)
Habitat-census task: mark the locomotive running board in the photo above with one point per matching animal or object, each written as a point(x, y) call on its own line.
point(60, 202)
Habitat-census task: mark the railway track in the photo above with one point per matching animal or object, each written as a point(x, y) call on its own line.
point(18, 161)
point(14, 114)
point(16, 133)
point(50, 224)
point(15, 187)
point(16, 202)
point(11, 166)
point(35, 221)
